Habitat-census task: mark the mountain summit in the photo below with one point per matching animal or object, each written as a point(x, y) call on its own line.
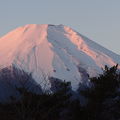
point(56, 51)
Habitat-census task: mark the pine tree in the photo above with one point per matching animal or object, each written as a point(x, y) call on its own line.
point(103, 87)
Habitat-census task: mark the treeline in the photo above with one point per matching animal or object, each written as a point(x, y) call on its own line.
point(102, 99)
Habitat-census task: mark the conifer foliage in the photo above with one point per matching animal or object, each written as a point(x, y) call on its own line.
point(103, 91)
point(102, 96)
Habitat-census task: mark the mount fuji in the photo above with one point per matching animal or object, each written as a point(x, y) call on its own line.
point(54, 50)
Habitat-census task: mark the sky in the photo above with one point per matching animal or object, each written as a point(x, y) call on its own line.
point(99, 20)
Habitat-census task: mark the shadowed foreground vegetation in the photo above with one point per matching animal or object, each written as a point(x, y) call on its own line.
point(103, 99)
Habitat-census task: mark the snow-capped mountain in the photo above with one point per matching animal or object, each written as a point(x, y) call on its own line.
point(56, 51)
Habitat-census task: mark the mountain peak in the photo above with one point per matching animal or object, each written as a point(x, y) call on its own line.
point(54, 50)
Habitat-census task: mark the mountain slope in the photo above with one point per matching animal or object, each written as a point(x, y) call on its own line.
point(54, 50)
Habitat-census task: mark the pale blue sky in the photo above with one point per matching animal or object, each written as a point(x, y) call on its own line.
point(96, 19)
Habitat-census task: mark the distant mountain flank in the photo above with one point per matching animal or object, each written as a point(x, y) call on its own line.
point(54, 51)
